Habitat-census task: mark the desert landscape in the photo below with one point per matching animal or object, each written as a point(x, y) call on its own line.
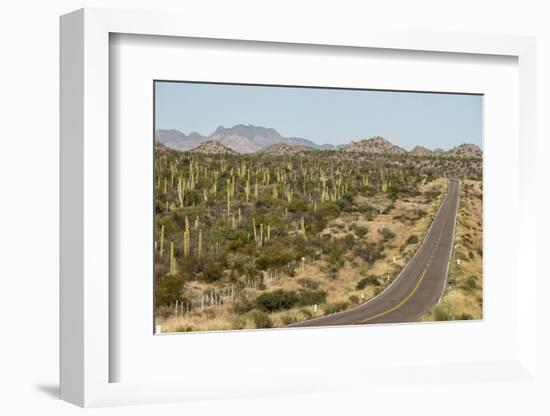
point(256, 230)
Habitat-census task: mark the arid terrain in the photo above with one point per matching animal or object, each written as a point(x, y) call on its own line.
point(463, 298)
point(292, 232)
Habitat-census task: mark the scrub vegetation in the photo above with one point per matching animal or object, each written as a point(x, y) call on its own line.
point(266, 240)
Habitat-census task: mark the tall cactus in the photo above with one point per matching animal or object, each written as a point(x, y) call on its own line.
point(161, 240)
point(247, 191)
point(199, 245)
point(254, 229)
point(261, 233)
point(172, 259)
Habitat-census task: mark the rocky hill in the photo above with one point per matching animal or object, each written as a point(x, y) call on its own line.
point(465, 150)
point(281, 149)
point(374, 145)
point(421, 151)
point(212, 147)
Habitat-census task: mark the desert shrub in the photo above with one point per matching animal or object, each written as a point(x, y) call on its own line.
point(191, 197)
point(464, 317)
point(243, 304)
point(386, 233)
point(470, 283)
point(354, 299)
point(238, 322)
point(210, 313)
point(170, 225)
point(328, 210)
point(297, 205)
point(306, 312)
point(471, 255)
point(260, 319)
point(288, 319)
point(277, 300)
point(265, 201)
point(163, 312)
point(370, 252)
point(234, 239)
point(413, 239)
point(345, 201)
point(275, 256)
point(441, 314)
point(311, 297)
point(360, 231)
point(335, 251)
point(212, 272)
point(392, 195)
point(184, 329)
point(332, 272)
point(308, 282)
point(369, 280)
point(329, 308)
point(169, 289)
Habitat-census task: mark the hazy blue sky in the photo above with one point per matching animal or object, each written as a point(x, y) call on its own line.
point(323, 115)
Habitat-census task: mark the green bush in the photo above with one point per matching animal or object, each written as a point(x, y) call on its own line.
point(360, 231)
point(470, 283)
point(288, 319)
point(277, 300)
point(413, 239)
point(212, 272)
point(369, 280)
point(369, 252)
point(260, 319)
point(441, 314)
point(306, 312)
point(297, 205)
point(354, 299)
point(243, 305)
point(345, 201)
point(386, 233)
point(311, 297)
point(329, 308)
point(239, 322)
point(169, 289)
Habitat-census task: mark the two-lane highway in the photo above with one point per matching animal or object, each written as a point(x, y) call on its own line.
point(420, 284)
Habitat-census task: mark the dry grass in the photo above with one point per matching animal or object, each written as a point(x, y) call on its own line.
point(463, 298)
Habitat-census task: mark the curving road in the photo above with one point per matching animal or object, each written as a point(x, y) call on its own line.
point(420, 284)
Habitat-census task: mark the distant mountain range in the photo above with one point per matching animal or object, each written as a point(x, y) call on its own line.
point(251, 139)
point(240, 138)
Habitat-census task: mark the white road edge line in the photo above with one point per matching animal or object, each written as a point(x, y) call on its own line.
point(452, 245)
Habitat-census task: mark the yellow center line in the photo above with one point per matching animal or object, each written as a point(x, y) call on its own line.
point(414, 289)
point(400, 303)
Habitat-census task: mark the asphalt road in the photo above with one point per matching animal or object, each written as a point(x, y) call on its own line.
point(419, 285)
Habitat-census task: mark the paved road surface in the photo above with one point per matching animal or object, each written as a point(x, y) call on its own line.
point(419, 285)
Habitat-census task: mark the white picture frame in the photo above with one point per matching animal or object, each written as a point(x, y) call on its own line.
point(86, 353)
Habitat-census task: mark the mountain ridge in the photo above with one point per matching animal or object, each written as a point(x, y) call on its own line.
point(243, 138)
